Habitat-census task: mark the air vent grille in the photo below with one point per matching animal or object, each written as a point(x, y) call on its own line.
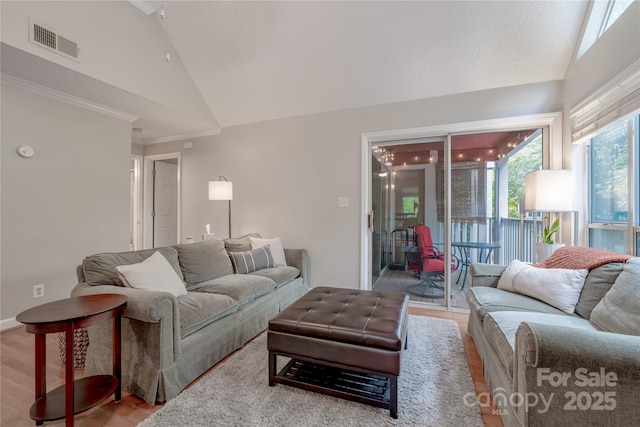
point(52, 41)
point(67, 46)
point(44, 36)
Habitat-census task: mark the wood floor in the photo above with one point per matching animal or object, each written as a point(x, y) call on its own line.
point(17, 381)
point(399, 280)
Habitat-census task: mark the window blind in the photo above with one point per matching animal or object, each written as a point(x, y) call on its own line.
point(621, 96)
point(132, 210)
point(468, 192)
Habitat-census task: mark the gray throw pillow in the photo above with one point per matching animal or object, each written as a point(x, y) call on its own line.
point(598, 282)
point(240, 244)
point(250, 261)
point(619, 309)
point(100, 269)
point(203, 261)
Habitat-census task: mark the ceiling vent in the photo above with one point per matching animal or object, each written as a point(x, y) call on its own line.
point(50, 40)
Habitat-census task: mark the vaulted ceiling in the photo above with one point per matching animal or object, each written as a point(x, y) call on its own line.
point(240, 62)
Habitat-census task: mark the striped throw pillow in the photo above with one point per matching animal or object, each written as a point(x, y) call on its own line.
point(256, 259)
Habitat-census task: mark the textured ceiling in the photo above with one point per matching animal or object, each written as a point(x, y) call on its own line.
point(241, 62)
point(255, 61)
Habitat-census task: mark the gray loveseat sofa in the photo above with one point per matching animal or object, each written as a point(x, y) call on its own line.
point(545, 367)
point(167, 342)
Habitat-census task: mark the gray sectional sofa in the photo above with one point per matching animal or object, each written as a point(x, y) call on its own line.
point(545, 367)
point(169, 341)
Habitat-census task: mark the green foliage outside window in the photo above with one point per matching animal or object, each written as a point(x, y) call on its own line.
point(609, 175)
point(410, 205)
point(527, 160)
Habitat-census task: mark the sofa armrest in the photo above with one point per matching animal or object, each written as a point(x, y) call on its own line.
point(142, 304)
point(298, 258)
point(483, 274)
point(146, 307)
point(591, 377)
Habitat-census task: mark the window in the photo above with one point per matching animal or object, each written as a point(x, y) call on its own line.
point(410, 205)
point(601, 16)
point(524, 161)
point(616, 7)
point(613, 195)
point(610, 174)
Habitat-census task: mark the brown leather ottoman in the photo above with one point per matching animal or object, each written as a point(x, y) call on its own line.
point(344, 342)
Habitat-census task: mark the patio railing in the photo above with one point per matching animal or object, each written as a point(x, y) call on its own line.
point(514, 244)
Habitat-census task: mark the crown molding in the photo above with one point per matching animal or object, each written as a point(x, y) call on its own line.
point(66, 98)
point(171, 138)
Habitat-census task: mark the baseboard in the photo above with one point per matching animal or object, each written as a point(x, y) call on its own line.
point(9, 324)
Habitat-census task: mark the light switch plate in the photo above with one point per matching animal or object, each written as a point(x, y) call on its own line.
point(343, 202)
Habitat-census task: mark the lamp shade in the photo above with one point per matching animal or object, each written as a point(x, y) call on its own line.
point(549, 191)
point(220, 190)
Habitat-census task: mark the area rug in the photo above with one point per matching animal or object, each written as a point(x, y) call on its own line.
point(431, 390)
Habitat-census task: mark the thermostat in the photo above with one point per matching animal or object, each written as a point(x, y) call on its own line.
point(25, 151)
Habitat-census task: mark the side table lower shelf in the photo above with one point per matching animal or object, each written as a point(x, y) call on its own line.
point(88, 392)
point(66, 316)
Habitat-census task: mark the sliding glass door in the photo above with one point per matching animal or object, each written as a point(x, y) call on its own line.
point(379, 220)
point(452, 195)
point(409, 173)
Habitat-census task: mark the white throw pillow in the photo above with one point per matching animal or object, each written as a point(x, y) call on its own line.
point(274, 244)
point(154, 273)
point(558, 287)
point(506, 280)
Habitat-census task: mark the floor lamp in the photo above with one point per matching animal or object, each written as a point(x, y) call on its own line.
point(550, 190)
point(222, 190)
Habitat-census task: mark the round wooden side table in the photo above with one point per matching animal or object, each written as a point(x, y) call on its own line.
point(66, 315)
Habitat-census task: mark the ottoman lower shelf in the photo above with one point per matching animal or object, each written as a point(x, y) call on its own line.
point(369, 388)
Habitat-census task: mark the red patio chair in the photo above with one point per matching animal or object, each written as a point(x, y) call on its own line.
point(429, 263)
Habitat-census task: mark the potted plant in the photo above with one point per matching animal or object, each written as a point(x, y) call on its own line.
point(546, 246)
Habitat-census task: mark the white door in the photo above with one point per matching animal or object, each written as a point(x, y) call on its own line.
point(165, 203)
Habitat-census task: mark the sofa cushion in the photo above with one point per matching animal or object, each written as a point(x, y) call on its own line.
point(276, 248)
point(500, 329)
point(619, 309)
point(485, 300)
point(239, 244)
point(483, 274)
point(559, 287)
point(249, 261)
point(281, 275)
point(198, 309)
point(241, 287)
point(154, 273)
point(100, 269)
point(598, 282)
point(203, 261)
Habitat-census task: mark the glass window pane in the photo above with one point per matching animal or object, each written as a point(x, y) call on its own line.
point(526, 160)
point(409, 197)
point(637, 244)
point(610, 240)
point(617, 8)
point(609, 175)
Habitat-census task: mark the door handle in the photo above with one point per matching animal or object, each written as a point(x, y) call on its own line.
point(371, 221)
